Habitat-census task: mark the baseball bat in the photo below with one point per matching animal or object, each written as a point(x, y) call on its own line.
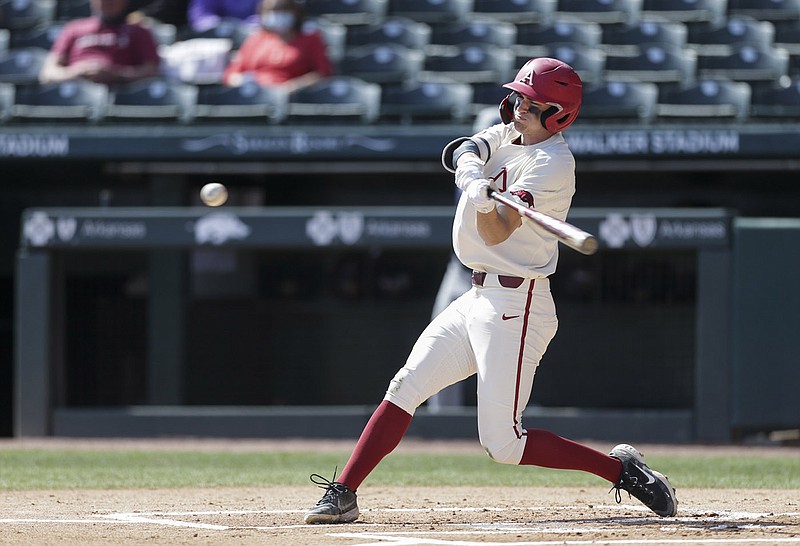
point(573, 237)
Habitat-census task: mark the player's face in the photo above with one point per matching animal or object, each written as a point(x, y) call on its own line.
point(109, 8)
point(527, 114)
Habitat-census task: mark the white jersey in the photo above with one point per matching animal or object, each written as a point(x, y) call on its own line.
point(541, 176)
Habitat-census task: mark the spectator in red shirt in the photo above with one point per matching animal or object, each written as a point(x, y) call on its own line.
point(103, 48)
point(280, 53)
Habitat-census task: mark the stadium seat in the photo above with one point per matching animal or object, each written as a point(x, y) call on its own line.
point(41, 36)
point(66, 10)
point(22, 66)
point(534, 39)
point(738, 30)
point(601, 11)
point(471, 63)
point(654, 63)
point(687, 11)
point(20, 14)
point(497, 33)
point(7, 92)
point(713, 99)
point(619, 101)
point(427, 101)
point(391, 30)
point(5, 39)
point(766, 10)
point(76, 100)
point(155, 99)
point(383, 64)
point(777, 101)
point(588, 63)
point(487, 95)
point(627, 40)
point(248, 102)
point(432, 11)
point(787, 36)
point(517, 11)
point(348, 12)
point(340, 98)
point(333, 34)
point(232, 29)
point(746, 63)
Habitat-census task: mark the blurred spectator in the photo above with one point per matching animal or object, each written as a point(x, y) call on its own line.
point(280, 53)
point(103, 48)
point(206, 14)
point(173, 12)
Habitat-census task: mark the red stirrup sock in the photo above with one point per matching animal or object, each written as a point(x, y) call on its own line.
point(543, 448)
point(383, 432)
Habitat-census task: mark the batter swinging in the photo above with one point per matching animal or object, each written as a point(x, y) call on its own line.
point(501, 327)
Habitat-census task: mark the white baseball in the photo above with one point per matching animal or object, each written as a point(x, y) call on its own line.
point(214, 194)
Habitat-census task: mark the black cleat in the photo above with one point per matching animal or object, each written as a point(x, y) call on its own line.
point(647, 485)
point(337, 505)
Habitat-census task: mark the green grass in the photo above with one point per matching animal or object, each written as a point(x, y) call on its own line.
point(31, 469)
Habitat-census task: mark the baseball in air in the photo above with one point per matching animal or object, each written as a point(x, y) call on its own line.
point(214, 194)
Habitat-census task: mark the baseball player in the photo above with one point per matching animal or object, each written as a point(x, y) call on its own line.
point(500, 328)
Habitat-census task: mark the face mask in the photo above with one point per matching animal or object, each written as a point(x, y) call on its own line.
point(278, 21)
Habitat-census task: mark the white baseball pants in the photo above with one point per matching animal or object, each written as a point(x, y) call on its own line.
point(498, 333)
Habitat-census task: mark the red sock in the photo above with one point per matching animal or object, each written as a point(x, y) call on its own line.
point(383, 432)
point(543, 448)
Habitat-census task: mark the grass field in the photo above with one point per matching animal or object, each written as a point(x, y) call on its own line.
point(65, 468)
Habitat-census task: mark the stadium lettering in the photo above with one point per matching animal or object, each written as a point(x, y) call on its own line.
point(99, 229)
point(34, 145)
point(694, 142)
point(677, 229)
point(601, 142)
point(400, 230)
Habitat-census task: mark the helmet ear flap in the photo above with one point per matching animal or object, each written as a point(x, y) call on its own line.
point(507, 109)
point(546, 115)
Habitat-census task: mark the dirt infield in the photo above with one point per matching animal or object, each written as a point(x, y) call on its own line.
point(450, 516)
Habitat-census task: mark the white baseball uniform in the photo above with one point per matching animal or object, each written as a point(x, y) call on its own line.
point(496, 330)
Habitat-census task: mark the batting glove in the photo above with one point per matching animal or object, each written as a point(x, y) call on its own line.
point(478, 194)
point(469, 170)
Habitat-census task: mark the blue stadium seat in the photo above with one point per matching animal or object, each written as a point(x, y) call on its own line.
point(766, 10)
point(711, 99)
point(427, 101)
point(41, 36)
point(391, 30)
point(432, 11)
point(22, 66)
point(20, 14)
point(654, 63)
point(533, 40)
point(66, 10)
point(487, 95)
point(517, 11)
point(687, 11)
point(736, 31)
point(480, 31)
point(5, 39)
point(248, 102)
point(777, 100)
point(7, 92)
point(383, 64)
point(348, 12)
point(471, 63)
point(602, 11)
point(156, 99)
point(232, 29)
point(589, 63)
point(619, 101)
point(628, 39)
point(340, 98)
point(746, 63)
point(77, 100)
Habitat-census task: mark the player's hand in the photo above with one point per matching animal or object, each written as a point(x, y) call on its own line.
point(478, 194)
point(468, 170)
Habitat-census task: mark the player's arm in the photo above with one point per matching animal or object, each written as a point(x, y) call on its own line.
point(498, 224)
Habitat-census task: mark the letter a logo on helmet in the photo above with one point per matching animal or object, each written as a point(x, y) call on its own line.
point(551, 82)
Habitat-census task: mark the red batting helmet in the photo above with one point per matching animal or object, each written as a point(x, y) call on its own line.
point(551, 82)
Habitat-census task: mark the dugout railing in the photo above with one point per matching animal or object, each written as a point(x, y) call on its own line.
point(664, 381)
